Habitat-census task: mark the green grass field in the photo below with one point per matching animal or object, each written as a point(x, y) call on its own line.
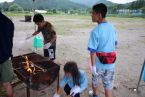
point(64, 24)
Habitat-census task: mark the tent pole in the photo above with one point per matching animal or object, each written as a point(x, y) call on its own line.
point(143, 67)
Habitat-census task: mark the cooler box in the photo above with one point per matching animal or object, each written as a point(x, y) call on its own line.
point(38, 42)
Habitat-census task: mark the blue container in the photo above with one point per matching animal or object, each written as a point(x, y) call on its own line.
point(144, 74)
point(38, 42)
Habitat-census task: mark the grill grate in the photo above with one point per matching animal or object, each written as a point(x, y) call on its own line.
point(45, 72)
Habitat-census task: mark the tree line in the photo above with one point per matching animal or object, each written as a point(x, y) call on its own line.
point(113, 9)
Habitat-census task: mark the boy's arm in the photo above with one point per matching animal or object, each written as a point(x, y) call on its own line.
point(35, 33)
point(53, 39)
point(53, 33)
point(93, 58)
point(47, 45)
point(93, 62)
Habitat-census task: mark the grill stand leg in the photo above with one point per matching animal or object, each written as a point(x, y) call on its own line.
point(58, 82)
point(28, 86)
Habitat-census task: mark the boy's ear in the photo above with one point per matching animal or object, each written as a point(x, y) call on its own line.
point(99, 15)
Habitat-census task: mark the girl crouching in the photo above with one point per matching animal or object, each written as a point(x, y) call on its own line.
point(74, 81)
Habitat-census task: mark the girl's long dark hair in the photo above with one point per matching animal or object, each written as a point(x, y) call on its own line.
point(71, 67)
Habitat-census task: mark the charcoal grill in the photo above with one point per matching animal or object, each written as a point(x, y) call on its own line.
point(44, 75)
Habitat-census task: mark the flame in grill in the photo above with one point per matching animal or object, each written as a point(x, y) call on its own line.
point(29, 66)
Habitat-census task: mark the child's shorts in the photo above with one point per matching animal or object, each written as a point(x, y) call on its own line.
point(50, 53)
point(6, 72)
point(107, 77)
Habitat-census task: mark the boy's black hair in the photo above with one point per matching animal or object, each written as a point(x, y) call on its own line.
point(72, 68)
point(38, 18)
point(100, 8)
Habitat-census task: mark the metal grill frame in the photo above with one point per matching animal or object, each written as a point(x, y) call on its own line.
point(27, 80)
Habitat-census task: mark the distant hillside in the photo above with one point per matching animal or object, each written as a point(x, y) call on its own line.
point(49, 4)
point(90, 3)
point(85, 2)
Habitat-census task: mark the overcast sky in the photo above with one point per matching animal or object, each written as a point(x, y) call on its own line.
point(121, 1)
point(6, 0)
point(115, 1)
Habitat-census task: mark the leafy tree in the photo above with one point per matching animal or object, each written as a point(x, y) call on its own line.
point(41, 8)
point(143, 9)
point(112, 10)
point(54, 11)
point(0, 7)
point(15, 7)
point(64, 10)
point(5, 6)
point(137, 4)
